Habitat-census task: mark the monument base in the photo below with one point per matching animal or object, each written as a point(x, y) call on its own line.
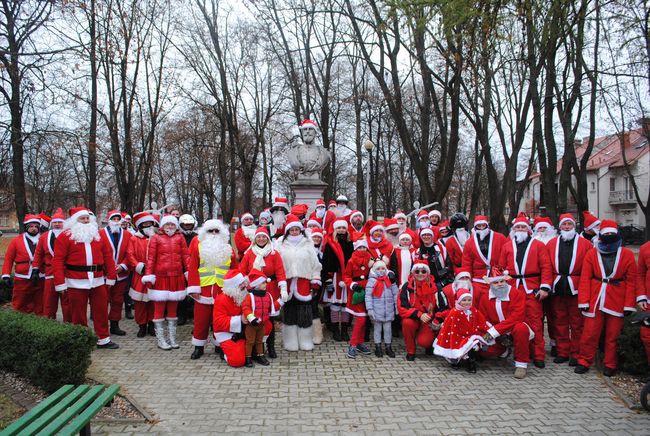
point(307, 192)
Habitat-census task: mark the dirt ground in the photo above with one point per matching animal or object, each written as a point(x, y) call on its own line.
point(9, 411)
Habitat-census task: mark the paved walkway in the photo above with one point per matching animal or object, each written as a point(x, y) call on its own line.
point(322, 391)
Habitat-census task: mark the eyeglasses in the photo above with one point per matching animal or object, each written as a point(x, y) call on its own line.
point(420, 271)
point(213, 231)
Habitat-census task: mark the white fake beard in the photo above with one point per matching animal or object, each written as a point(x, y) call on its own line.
point(85, 233)
point(546, 236)
point(114, 227)
point(214, 252)
point(249, 231)
point(394, 240)
point(568, 235)
point(462, 236)
point(149, 231)
point(340, 210)
point(278, 218)
point(465, 284)
point(57, 232)
point(520, 236)
point(236, 293)
point(320, 212)
point(402, 227)
point(501, 291)
point(482, 233)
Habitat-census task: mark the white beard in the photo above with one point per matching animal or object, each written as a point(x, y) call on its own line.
point(214, 252)
point(33, 238)
point(236, 293)
point(340, 210)
point(279, 218)
point(402, 227)
point(567, 235)
point(546, 236)
point(463, 236)
point(149, 231)
point(520, 236)
point(482, 233)
point(320, 213)
point(114, 228)
point(57, 232)
point(249, 231)
point(393, 239)
point(84, 233)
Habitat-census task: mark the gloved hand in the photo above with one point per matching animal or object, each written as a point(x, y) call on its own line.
point(488, 337)
point(392, 277)
point(255, 321)
point(34, 277)
point(356, 287)
point(7, 280)
point(284, 295)
point(237, 336)
point(358, 296)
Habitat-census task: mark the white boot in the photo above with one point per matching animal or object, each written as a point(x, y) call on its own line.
point(306, 338)
point(290, 337)
point(171, 324)
point(160, 335)
point(318, 331)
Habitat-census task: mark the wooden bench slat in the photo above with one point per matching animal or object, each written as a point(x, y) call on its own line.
point(36, 411)
point(84, 418)
point(54, 410)
point(66, 415)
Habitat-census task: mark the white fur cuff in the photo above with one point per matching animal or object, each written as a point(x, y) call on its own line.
point(151, 278)
point(140, 268)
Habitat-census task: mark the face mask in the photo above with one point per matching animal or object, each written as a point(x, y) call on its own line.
point(568, 235)
point(170, 232)
point(149, 231)
point(483, 233)
point(500, 291)
point(425, 224)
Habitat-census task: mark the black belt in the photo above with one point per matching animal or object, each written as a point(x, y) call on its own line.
point(85, 268)
point(23, 263)
point(569, 275)
point(272, 277)
point(359, 278)
point(614, 282)
point(526, 276)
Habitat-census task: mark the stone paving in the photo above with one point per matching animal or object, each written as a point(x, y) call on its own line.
point(324, 392)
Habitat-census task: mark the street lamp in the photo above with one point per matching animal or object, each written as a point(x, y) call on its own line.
point(368, 145)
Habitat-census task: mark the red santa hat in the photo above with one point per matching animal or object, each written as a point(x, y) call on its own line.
point(256, 278)
point(405, 236)
point(435, 212)
point(462, 293)
point(391, 224)
point(156, 217)
point(316, 232)
point(399, 214)
point(233, 278)
point(262, 230)
point(45, 219)
point(291, 222)
point(481, 219)
point(428, 231)
point(126, 216)
point(280, 203)
point(332, 203)
point(246, 215)
point(314, 222)
point(299, 209)
point(355, 213)
point(320, 202)
point(420, 264)
point(340, 222)
point(31, 219)
point(590, 221)
point(58, 216)
point(308, 124)
point(496, 274)
point(542, 222)
point(521, 219)
point(567, 217)
point(77, 212)
point(608, 226)
point(371, 226)
point(359, 240)
point(113, 213)
point(463, 273)
point(143, 217)
point(422, 213)
point(167, 219)
point(445, 225)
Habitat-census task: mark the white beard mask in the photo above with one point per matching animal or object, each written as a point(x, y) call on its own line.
point(424, 224)
point(320, 212)
point(214, 252)
point(278, 218)
point(340, 210)
point(149, 231)
point(170, 232)
point(520, 236)
point(546, 236)
point(85, 233)
point(462, 236)
point(402, 227)
point(482, 233)
point(568, 235)
point(57, 232)
point(114, 227)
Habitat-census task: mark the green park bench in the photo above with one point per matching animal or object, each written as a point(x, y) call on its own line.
point(67, 411)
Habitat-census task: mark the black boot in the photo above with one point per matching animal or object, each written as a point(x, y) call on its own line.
point(261, 360)
point(410, 357)
point(151, 330)
point(142, 331)
point(389, 351)
point(429, 351)
point(197, 353)
point(328, 320)
point(181, 311)
point(345, 335)
point(553, 351)
point(270, 345)
point(378, 351)
point(336, 329)
point(249, 362)
point(128, 311)
point(397, 326)
point(219, 351)
point(471, 362)
point(116, 330)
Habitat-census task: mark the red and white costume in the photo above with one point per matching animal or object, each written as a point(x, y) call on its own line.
point(227, 319)
point(378, 249)
point(136, 257)
point(643, 291)
point(244, 236)
point(402, 259)
point(119, 244)
point(27, 295)
point(268, 260)
point(454, 251)
point(83, 267)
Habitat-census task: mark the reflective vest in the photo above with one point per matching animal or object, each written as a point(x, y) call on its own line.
point(209, 276)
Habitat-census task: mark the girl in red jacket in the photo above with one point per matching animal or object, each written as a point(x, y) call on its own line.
point(166, 270)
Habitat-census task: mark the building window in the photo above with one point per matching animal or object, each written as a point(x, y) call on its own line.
point(612, 184)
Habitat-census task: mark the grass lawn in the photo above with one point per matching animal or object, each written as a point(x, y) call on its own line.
point(9, 411)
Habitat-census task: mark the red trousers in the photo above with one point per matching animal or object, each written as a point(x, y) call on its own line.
point(535, 319)
point(234, 352)
point(51, 301)
point(27, 296)
point(160, 307)
point(143, 311)
point(202, 320)
point(591, 331)
point(568, 325)
point(416, 331)
point(117, 300)
point(78, 304)
point(358, 331)
point(551, 322)
point(521, 343)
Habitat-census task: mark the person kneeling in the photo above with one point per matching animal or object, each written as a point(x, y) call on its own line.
point(258, 307)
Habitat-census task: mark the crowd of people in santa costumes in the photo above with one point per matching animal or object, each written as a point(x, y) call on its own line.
point(455, 290)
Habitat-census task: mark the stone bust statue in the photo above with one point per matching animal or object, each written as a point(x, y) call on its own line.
point(306, 157)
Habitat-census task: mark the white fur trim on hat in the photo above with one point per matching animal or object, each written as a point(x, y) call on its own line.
point(462, 274)
point(360, 243)
point(258, 281)
point(593, 226)
point(542, 224)
point(481, 222)
point(567, 219)
point(234, 281)
point(292, 225)
point(420, 265)
point(145, 219)
point(247, 215)
point(353, 214)
point(405, 236)
point(426, 232)
point(76, 216)
point(340, 223)
point(435, 212)
point(608, 230)
point(314, 223)
point(376, 227)
point(169, 219)
point(504, 276)
point(400, 215)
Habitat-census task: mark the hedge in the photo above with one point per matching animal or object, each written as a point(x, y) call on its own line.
point(49, 353)
point(631, 352)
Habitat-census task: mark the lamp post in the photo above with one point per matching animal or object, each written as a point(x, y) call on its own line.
point(368, 145)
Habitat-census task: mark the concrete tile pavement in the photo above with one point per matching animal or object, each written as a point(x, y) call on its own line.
point(324, 392)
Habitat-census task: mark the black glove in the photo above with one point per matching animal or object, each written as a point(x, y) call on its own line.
point(356, 287)
point(7, 280)
point(392, 277)
point(237, 336)
point(255, 321)
point(35, 277)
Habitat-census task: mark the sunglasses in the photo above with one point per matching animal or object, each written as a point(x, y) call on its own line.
point(213, 231)
point(420, 271)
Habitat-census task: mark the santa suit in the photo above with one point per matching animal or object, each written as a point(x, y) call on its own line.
point(43, 261)
point(83, 271)
point(454, 251)
point(461, 332)
point(204, 286)
point(607, 289)
point(507, 318)
point(303, 273)
point(227, 327)
point(478, 256)
point(566, 261)
point(380, 250)
point(136, 257)
point(273, 268)
point(643, 291)
point(261, 305)
point(119, 244)
point(414, 236)
point(243, 239)
point(27, 295)
point(335, 258)
point(401, 262)
point(530, 268)
point(439, 263)
point(356, 272)
point(328, 220)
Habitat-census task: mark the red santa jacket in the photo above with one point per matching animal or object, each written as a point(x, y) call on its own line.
point(328, 220)
point(226, 317)
point(204, 294)
point(454, 251)
point(260, 305)
point(536, 271)
point(401, 262)
point(167, 256)
point(613, 294)
point(643, 274)
point(18, 252)
point(580, 249)
point(273, 269)
point(415, 237)
point(473, 259)
point(71, 258)
point(411, 304)
point(381, 249)
point(356, 272)
point(504, 314)
point(136, 257)
point(242, 242)
point(119, 250)
point(44, 254)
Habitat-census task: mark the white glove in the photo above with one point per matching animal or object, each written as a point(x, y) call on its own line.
point(284, 295)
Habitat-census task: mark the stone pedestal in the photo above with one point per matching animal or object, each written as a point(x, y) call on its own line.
point(307, 191)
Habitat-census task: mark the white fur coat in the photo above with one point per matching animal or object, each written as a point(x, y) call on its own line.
point(300, 260)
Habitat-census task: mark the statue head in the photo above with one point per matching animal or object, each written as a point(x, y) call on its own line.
point(308, 131)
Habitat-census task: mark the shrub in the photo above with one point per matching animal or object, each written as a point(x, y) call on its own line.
point(631, 352)
point(49, 353)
